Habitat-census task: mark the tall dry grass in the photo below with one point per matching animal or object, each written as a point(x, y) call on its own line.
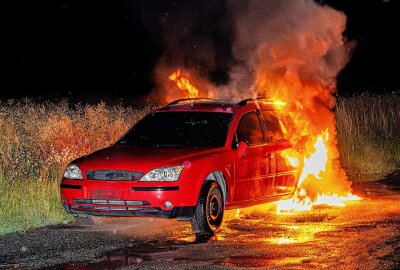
point(369, 134)
point(37, 141)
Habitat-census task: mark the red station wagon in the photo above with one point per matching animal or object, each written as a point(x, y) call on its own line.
point(189, 160)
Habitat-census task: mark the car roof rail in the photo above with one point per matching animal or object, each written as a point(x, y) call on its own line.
point(263, 100)
point(247, 101)
point(175, 102)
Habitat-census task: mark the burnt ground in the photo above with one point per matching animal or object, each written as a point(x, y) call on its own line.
point(363, 235)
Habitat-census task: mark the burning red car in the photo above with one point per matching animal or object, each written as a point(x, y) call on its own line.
point(189, 160)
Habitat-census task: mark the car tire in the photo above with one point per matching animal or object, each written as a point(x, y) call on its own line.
point(209, 210)
point(89, 220)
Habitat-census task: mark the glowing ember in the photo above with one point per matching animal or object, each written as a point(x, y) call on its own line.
point(184, 84)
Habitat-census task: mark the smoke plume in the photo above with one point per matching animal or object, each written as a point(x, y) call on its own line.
point(295, 50)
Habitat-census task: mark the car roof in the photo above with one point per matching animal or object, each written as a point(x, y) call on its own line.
point(218, 105)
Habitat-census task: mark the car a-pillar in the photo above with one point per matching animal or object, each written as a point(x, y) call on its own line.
point(209, 211)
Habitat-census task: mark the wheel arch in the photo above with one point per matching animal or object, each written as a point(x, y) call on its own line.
point(219, 177)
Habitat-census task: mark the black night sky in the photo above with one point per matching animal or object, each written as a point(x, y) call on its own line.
point(80, 49)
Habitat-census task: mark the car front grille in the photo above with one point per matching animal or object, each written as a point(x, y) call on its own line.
point(113, 175)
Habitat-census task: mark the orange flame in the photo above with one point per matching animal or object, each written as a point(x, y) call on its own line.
point(321, 181)
point(184, 84)
point(316, 162)
point(296, 67)
point(313, 169)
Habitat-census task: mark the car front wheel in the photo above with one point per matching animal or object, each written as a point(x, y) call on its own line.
point(209, 210)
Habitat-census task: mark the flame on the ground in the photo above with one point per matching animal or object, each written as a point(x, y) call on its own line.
point(306, 204)
point(184, 84)
point(312, 166)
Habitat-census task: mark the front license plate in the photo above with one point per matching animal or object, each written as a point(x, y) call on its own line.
point(104, 194)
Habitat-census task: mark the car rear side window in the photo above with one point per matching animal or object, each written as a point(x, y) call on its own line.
point(273, 125)
point(249, 129)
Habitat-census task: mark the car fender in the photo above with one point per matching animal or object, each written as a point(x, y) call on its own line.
point(218, 167)
point(223, 175)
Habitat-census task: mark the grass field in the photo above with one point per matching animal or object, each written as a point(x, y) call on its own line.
point(37, 141)
point(369, 134)
point(31, 203)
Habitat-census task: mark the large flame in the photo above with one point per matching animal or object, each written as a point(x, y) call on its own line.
point(298, 65)
point(184, 84)
point(321, 180)
point(315, 161)
point(294, 61)
point(313, 167)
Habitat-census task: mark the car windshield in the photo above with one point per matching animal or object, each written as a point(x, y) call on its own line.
point(193, 129)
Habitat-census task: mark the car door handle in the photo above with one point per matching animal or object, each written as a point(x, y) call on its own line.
point(268, 155)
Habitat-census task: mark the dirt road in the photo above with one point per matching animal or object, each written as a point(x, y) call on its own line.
point(363, 235)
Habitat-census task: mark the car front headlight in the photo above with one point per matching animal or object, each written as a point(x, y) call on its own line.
point(168, 174)
point(73, 172)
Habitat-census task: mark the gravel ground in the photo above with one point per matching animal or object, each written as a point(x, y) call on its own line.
point(362, 235)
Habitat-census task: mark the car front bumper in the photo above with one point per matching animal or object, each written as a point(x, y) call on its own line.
point(128, 198)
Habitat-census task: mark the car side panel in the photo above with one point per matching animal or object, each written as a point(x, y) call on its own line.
point(255, 173)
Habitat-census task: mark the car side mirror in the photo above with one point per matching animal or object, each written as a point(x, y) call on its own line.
point(241, 149)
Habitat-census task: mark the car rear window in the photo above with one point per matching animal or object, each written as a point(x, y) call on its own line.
point(249, 129)
point(194, 129)
point(273, 125)
point(276, 126)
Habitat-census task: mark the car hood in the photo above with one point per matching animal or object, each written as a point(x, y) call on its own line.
point(141, 159)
